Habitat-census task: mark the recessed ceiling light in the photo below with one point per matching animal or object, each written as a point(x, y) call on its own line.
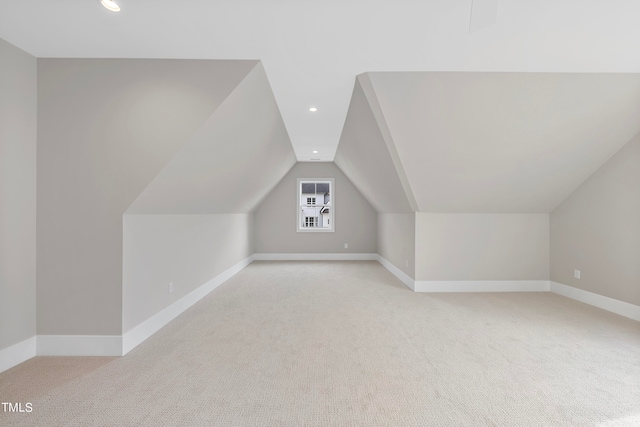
point(315, 151)
point(313, 109)
point(110, 5)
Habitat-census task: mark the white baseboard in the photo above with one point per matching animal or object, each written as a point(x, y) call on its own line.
point(110, 345)
point(613, 305)
point(466, 285)
point(17, 353)
point(401, 275)
point(316, 257)
point(481, 286)
point(144, 330)
point(79, 345)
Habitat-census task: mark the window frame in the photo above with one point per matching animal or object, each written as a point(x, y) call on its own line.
point(300, 217)
point(310, 220)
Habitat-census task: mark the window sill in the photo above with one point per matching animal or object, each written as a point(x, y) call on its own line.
point(315, 230)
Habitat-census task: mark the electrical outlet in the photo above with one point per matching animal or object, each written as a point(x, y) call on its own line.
point(346, 246)
point(576, 274)
point(406, 263)
point(171, 287)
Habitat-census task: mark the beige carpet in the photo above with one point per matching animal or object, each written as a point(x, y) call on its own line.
point(346, 344)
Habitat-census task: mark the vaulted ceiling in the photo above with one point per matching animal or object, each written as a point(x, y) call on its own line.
point(459, 105)
point(312, 51)
point(231, 163)
point(483, 142)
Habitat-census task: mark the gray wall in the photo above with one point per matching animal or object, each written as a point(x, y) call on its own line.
point(187, 250)
point(276, 217)
point(397, 240)
point(106, 128)
point(597, 230)
point(243, 143)
point(482, 246)
point(18, 109)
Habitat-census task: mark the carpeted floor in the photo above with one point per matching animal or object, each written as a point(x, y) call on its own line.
point(346, 344)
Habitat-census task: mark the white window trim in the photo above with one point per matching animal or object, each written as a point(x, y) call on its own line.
point(332, 209)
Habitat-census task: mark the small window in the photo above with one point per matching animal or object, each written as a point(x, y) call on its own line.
point(316, 204)
point(310, 221)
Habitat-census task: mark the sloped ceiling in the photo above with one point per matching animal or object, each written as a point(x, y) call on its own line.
point(117, 122)
point(231, 163)
point(363, 156)
point(312, 50)
point(497, 142)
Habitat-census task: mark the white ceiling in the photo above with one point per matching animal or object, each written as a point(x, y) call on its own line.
point(313, 50)
point(503, 142)
point(364, 154)
point(243, 142)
